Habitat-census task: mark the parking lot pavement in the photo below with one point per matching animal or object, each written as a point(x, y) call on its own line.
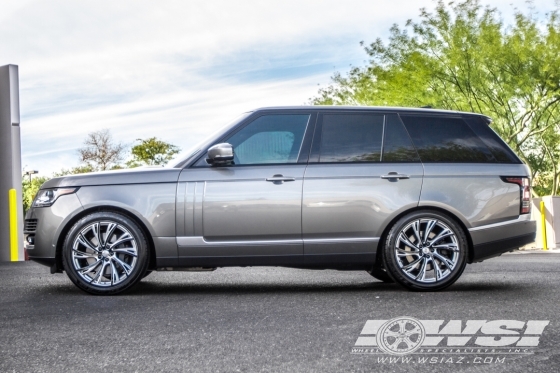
point(265, 320)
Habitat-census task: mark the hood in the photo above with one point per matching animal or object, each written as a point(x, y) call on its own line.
point(138, 175)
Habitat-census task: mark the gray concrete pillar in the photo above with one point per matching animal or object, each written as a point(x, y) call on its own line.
point(11, 212)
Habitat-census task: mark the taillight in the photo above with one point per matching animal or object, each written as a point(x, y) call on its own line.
point(525, 188)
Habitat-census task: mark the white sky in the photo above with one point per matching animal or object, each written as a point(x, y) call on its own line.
point(178, 70)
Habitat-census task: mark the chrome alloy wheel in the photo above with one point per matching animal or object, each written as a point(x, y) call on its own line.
point(427, 250)
point(104, 253)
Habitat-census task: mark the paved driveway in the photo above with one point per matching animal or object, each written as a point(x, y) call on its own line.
point(268, 320)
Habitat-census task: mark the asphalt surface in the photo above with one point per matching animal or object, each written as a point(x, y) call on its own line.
point(260, 319)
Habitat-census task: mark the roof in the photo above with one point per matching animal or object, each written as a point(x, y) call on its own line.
point(367, 108)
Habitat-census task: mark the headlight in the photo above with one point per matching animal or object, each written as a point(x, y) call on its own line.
point(46, 197)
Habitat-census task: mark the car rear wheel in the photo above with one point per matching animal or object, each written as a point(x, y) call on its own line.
point(425, 251)
point(105, 253)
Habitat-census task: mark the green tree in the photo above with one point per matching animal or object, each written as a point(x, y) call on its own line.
point(462, 57)
point(30, 188)
point(152, 152)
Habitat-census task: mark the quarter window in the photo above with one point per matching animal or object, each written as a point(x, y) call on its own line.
point(446, 140)
point(351, 138)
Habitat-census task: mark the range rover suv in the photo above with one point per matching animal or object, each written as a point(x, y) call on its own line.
point(409, 195)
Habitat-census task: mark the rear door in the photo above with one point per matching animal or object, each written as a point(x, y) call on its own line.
point(463, 169)
point(363, 171)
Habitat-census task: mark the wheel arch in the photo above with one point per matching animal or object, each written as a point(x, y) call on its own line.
point(103, 208)
point(383, 237)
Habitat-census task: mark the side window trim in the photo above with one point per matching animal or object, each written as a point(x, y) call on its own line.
point(383, 138)
point(397, 118)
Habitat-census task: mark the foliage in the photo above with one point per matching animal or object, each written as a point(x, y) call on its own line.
point(100, 152)
point(74, 170)
point(152, 152)
point(462, 57)
point(30, 189)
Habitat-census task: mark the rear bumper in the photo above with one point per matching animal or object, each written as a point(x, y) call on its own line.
point(495, 239)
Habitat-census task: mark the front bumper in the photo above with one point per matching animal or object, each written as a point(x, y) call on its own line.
point(42, 236)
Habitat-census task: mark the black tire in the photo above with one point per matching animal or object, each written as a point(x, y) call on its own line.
point(444, 257)
point(111, 266)
point(380, 274)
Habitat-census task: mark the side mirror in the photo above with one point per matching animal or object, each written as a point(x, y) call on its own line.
point(220, 155)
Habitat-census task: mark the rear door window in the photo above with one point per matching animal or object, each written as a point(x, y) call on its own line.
point(441, 139)
point(351, 138)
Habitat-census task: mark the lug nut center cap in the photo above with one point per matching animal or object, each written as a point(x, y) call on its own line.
point(426, 250)
point(105, 253)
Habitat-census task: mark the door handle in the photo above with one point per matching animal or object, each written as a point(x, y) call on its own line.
point(395, 175)
point(279, 179)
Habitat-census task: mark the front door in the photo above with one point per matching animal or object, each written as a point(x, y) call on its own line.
point(248, 212)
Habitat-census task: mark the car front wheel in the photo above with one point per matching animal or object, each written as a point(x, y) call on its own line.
point(105, 253)
point(425, 251)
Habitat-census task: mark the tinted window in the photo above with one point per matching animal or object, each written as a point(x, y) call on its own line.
point(445, 139)
point(499, 149)
point(351, 138)
point(397, 146)
point(269, 139)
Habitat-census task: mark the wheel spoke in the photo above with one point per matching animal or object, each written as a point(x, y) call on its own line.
point(99, 274)
point(110, 229)
point(404, 239)
point(83, 255)
point(444, 233)
point(85, 242)
point(408, 342)
point(96, 232)
point(416, 330)
point(126, 267)
point(422, 272)
point(437, 271)
point(447, 246)
point(402, 326)
point(409, 267)
point(115, 278)
point(90, 267)
point(429, 226)
point(390, 333)
point(129, 251)
point(401, 252)
point(124, 238)
point(416, 229)
point(448, 262)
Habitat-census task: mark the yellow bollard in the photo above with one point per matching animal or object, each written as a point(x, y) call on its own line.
point(543, 222)
point(14, 245)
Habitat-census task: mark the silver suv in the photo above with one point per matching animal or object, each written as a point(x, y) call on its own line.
point(409, 195)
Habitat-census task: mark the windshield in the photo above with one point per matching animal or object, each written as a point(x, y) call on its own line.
point(184, 156)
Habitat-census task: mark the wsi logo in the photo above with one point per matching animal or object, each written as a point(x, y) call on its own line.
point(406, 335)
